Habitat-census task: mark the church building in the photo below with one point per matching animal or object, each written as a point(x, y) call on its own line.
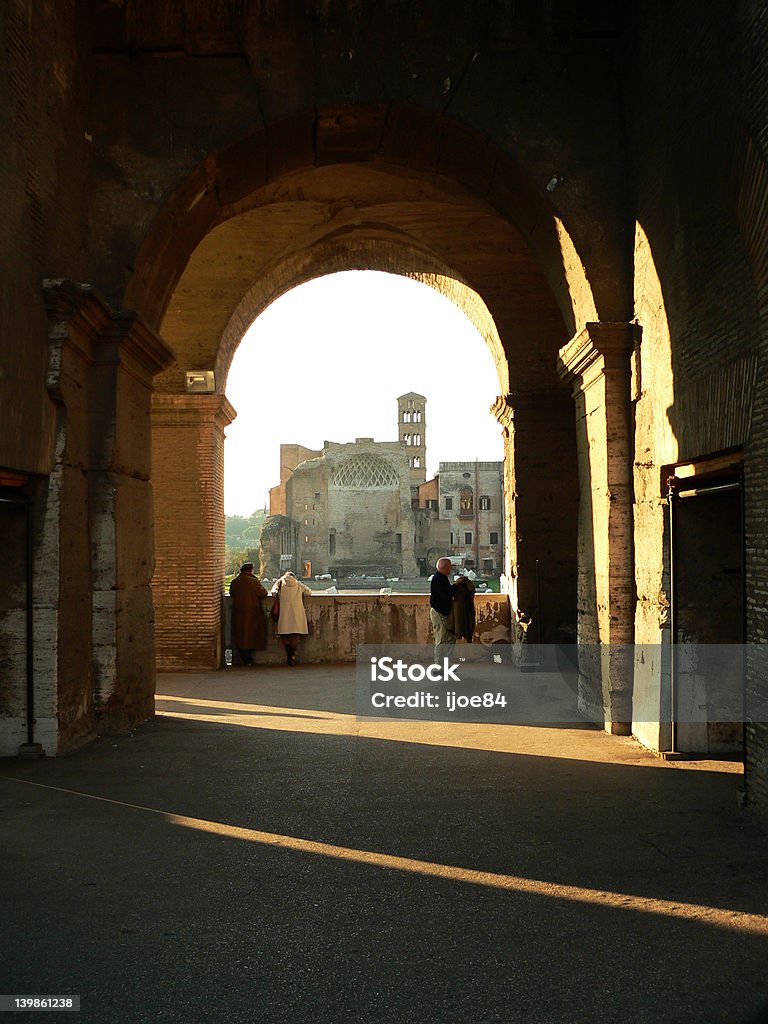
point(365, 508)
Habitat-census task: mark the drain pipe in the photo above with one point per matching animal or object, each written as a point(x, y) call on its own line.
point(672, 619)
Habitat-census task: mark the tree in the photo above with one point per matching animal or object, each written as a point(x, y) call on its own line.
point(241, 540)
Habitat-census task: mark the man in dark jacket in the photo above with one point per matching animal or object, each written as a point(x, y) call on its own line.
point(441, 592)
point(249, 627)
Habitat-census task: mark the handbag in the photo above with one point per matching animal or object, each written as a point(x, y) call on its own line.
point(274, 611)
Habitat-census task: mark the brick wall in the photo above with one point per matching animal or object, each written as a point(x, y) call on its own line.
point(754, 193)
point(188, 484)
point(43, 181)
point(696, 118)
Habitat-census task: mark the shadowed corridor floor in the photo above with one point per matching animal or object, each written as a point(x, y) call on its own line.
point(257, 853)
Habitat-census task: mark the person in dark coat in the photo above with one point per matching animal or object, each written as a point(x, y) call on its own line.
point(249, 626)
point(463, 609)
point(441, 592)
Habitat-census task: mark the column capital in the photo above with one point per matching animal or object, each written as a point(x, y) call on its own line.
point(503, 410)
point(598, 347)
point(524, 400)
point(138, 348)
point(189, 410)
point(81, 321)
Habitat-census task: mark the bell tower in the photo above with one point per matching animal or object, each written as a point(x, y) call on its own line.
point(412, 431)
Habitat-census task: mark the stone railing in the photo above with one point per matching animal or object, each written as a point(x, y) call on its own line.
point(339, 623)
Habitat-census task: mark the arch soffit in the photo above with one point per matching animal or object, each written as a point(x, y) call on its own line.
point(362, 251)
point(232, 181)
point(351, 216)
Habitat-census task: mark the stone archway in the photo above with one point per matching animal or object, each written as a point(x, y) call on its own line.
point(189, 488)
point(581, 261)
point(243, 229)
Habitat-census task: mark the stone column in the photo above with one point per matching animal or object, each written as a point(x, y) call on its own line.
point(93, 638)
point(541, 501)
point(188, 476)
point(597, 361)
point(126, 357)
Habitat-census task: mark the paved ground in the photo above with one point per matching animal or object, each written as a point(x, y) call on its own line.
point(257, 854)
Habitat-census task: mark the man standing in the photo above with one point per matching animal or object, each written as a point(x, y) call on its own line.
point(249, 627)
point(441, 592)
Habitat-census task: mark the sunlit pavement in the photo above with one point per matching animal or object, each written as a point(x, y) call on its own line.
point(257, 853)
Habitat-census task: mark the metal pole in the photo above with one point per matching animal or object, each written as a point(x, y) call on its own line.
point(30, 623)
point(744, 647)
point(672, 620)
point(694, 492)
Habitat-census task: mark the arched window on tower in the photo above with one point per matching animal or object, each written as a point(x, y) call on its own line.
point(406, 417)
point(417, 462)
point(407, 438)
point(417, 440)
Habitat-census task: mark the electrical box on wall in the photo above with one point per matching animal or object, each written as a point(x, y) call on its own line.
point(200, 382)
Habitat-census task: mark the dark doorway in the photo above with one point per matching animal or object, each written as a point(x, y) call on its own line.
point(15, 621)
point(708, 608)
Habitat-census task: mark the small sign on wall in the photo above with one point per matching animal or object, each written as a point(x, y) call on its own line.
point(200, 382)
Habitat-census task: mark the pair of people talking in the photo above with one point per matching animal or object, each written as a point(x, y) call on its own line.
point(451, 609)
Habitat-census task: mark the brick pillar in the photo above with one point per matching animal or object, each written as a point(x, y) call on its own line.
point(597, 362)
point(541, 501)
point(188, 477)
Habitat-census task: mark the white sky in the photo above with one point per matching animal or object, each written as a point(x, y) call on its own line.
point(327, 361)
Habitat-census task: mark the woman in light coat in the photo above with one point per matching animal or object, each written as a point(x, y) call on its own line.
point(292, 621)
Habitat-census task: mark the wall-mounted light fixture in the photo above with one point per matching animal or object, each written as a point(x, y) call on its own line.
point(200, 382)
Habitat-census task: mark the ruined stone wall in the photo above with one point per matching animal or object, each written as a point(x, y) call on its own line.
point(291, 455)
point(373, 519)
point(347, 518)
point(370, 535)
point(307, 502)
point(338, 624)
point(278, 545)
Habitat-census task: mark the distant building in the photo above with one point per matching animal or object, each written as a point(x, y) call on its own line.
point(366, 508)
point(471, 500)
